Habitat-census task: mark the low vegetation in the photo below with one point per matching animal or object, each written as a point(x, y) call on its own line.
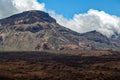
point(52, 66)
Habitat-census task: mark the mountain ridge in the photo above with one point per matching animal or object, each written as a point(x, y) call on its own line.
point(28, 17)
point(36, 30)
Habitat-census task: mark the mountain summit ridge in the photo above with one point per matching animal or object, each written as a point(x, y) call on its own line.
point(28, 17)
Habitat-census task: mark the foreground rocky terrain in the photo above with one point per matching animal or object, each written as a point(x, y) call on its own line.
point(62, 66)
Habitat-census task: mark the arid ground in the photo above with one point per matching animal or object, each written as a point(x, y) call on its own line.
point(60, 65)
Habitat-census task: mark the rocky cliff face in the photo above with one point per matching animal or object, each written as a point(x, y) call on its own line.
point(36, 30)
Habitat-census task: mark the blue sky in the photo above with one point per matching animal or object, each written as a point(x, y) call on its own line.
point(78, 15)
point(70, 7)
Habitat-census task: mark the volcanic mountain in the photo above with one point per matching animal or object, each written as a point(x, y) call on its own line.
point(36, 30)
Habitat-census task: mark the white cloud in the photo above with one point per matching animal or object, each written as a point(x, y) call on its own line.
point(10, 7)
point(22, 5)
point(92, 20)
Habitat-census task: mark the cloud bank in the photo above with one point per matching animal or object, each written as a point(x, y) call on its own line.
point(10, 7)
point(92, 20)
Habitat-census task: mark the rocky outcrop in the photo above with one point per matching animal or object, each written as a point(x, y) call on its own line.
point(43, 46)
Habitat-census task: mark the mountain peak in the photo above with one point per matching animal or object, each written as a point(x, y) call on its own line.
point(28, 17)
point(95, 36)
